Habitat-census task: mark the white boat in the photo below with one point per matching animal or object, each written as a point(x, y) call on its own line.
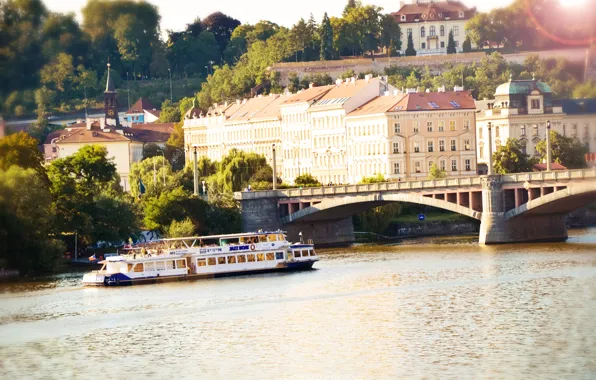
point(203, 257)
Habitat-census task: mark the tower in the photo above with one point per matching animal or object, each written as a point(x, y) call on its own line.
point(110, 103)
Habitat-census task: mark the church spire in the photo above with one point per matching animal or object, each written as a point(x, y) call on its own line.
point(109, 83)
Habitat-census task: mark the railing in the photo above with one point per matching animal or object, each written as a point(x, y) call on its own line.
point(557, 175)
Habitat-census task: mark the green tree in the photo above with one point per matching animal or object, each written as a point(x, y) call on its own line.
point(20, 149)
point(451, 44)
point(567, 151)
point(410, 51)
point(179, 229)
point(170, 113)
point(306, 180)
point(156, 175)
point(467, 45)
point(510, 158)
point(377, 219)
point(377, 178)
point(390, 35)
point(436, 173)
point(175, 205)
point(221, 26)
point(326, 34)
point(26, 223)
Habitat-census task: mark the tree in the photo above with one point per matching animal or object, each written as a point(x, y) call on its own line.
point(174, 205)
point(306, 180)
point(410, 51)
point(510, 158)
point(155, 174)
point(567, 151)
point(26, 223)
point(435, 173)
point(326, 35)
point(179, 229)
point(170, 113)
point(451, 44)
point(351, 5)
point(221, 26)
point(467, 45)
point(390, 35)
point(20, 149)
point(378, 178)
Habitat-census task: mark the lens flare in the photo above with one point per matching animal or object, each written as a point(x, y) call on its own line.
point(591, 40)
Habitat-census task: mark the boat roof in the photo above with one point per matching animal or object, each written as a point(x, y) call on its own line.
point(225, 236)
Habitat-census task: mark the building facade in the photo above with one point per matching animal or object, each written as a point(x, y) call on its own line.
point(143, 111)
point(521, 110)
point(430, 21)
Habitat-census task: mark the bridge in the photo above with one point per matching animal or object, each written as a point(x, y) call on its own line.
point(512, 208)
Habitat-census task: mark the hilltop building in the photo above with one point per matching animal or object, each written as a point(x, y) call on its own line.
point(430, 21)
point(143, 111)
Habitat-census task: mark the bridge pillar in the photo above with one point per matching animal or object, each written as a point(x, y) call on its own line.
point(494, 229)
point(322, 232)
point(260, 213)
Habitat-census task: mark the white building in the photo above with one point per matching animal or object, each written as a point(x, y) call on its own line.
point(430, 21)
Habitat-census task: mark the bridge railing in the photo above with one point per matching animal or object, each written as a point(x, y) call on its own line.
point(557, 175)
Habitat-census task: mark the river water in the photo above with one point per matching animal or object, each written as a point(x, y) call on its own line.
point(433, 308)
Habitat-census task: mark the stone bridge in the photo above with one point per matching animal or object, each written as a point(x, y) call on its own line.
point(522, 207)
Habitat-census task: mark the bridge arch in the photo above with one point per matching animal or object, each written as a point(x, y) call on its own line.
point(560, 202)
point(337, 208)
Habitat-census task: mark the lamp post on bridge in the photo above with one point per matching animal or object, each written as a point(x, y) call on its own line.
point(490, 149)
point(196, 172)
point(274, 168)
point(548, 151)
point(329, 153)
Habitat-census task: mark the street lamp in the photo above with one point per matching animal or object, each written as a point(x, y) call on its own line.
point(274, 169)
point(490, 149)
point(548, 152)
point(170, 72)
point(329, 153)
point(196, 173)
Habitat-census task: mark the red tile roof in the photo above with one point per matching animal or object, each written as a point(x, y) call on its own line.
point(436, 101)
point(140, 105)
point(146, 133)
point(438, 11)
point(380, 104)
point(312, 93)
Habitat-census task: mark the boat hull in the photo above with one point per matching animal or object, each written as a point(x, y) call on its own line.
point(119, 279)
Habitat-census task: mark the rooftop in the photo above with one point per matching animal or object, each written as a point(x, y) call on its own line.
point(380, 104)
point(522, 87)
point(310, 94)
point(342, 92)
point(252, 107)
point(433, 11)
point(578, 106)
point(140, 105)
point(436, 101)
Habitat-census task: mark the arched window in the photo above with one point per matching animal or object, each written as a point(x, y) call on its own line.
point(432, 31)
point(442, 31)
point(422, 32)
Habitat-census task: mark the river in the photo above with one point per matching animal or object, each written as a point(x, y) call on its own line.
point(426, 308)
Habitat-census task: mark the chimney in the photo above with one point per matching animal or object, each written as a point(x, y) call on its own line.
point(368, 77)
point(441, 89)
point(311, 85)
point(410, 90)
point(458, 88)
point(237, 101)
point(428, 90)
point(395, 92)
point(353, 79)
point(338, 81)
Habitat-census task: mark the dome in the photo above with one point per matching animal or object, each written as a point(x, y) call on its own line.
point(522, 87)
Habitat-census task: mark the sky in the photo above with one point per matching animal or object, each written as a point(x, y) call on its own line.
point(176, 14)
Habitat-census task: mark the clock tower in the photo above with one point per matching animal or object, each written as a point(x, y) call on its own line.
point(110, 103)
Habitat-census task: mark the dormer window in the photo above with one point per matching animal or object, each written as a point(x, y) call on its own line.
point(403, 17)
point(461, 14)
point(535, 104)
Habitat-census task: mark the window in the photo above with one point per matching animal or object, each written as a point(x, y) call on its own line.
point(453, 145)
point(429, 126)
point(241, 258)
point(409, 31)
point(441, 126)
point(442, 31)
point(201, 262)
point(430, 164)
point(535, 104)
point(497, 132)
point(395, 147)
point(403, 18)
point(461, 14)
point(481, 151)
point(279, 255)
point(416, 147)
point(452, 125)
point(424, 45)
point(524, 148)
point(480, 132)
point(250, 258)
point(522, 130)
point(441, 145)
point(221, 260)
point(468, 165)
point(160, 265)
point(422, 33)
point(574, 130)
point(432, 31)
point(231, 259)
point(453, 165)
point(535, 130)
point(417, 166)
point(138, 267)
point(416, 126)
point(442, 164)
point(564, 129)
point(396, 128)
point(467, 144)
point(467, 125)
point(211, 261)
point(297, 254)
point(260, 257)
point(270, 256)
point(442, 44)
point(430, 146)
point(455, 31)
point(396, 168)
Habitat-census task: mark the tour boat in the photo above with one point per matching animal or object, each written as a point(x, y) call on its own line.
point(203, 257)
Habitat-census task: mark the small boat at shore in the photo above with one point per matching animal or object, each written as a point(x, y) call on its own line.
point(203, 257)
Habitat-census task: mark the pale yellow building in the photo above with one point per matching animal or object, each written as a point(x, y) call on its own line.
point(430, 21)
point(402, 136)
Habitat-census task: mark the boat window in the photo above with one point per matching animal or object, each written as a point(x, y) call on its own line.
point(260, 257)
point(297, 253)
point(270, 256)
point(313, 252)
point(241, 258)
point(201, 262)
point(272, 237)
point(170, 264)
point(180, 264)
point(231, 259)
point(221, 260)
point(160, 265)
point(262, 238)
point(305, 253)
point(139, 267)
point(211, 260)
point(279, 255)
point(251, 258)
point(280, 237)
point(149, 267)
point(130, 267)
